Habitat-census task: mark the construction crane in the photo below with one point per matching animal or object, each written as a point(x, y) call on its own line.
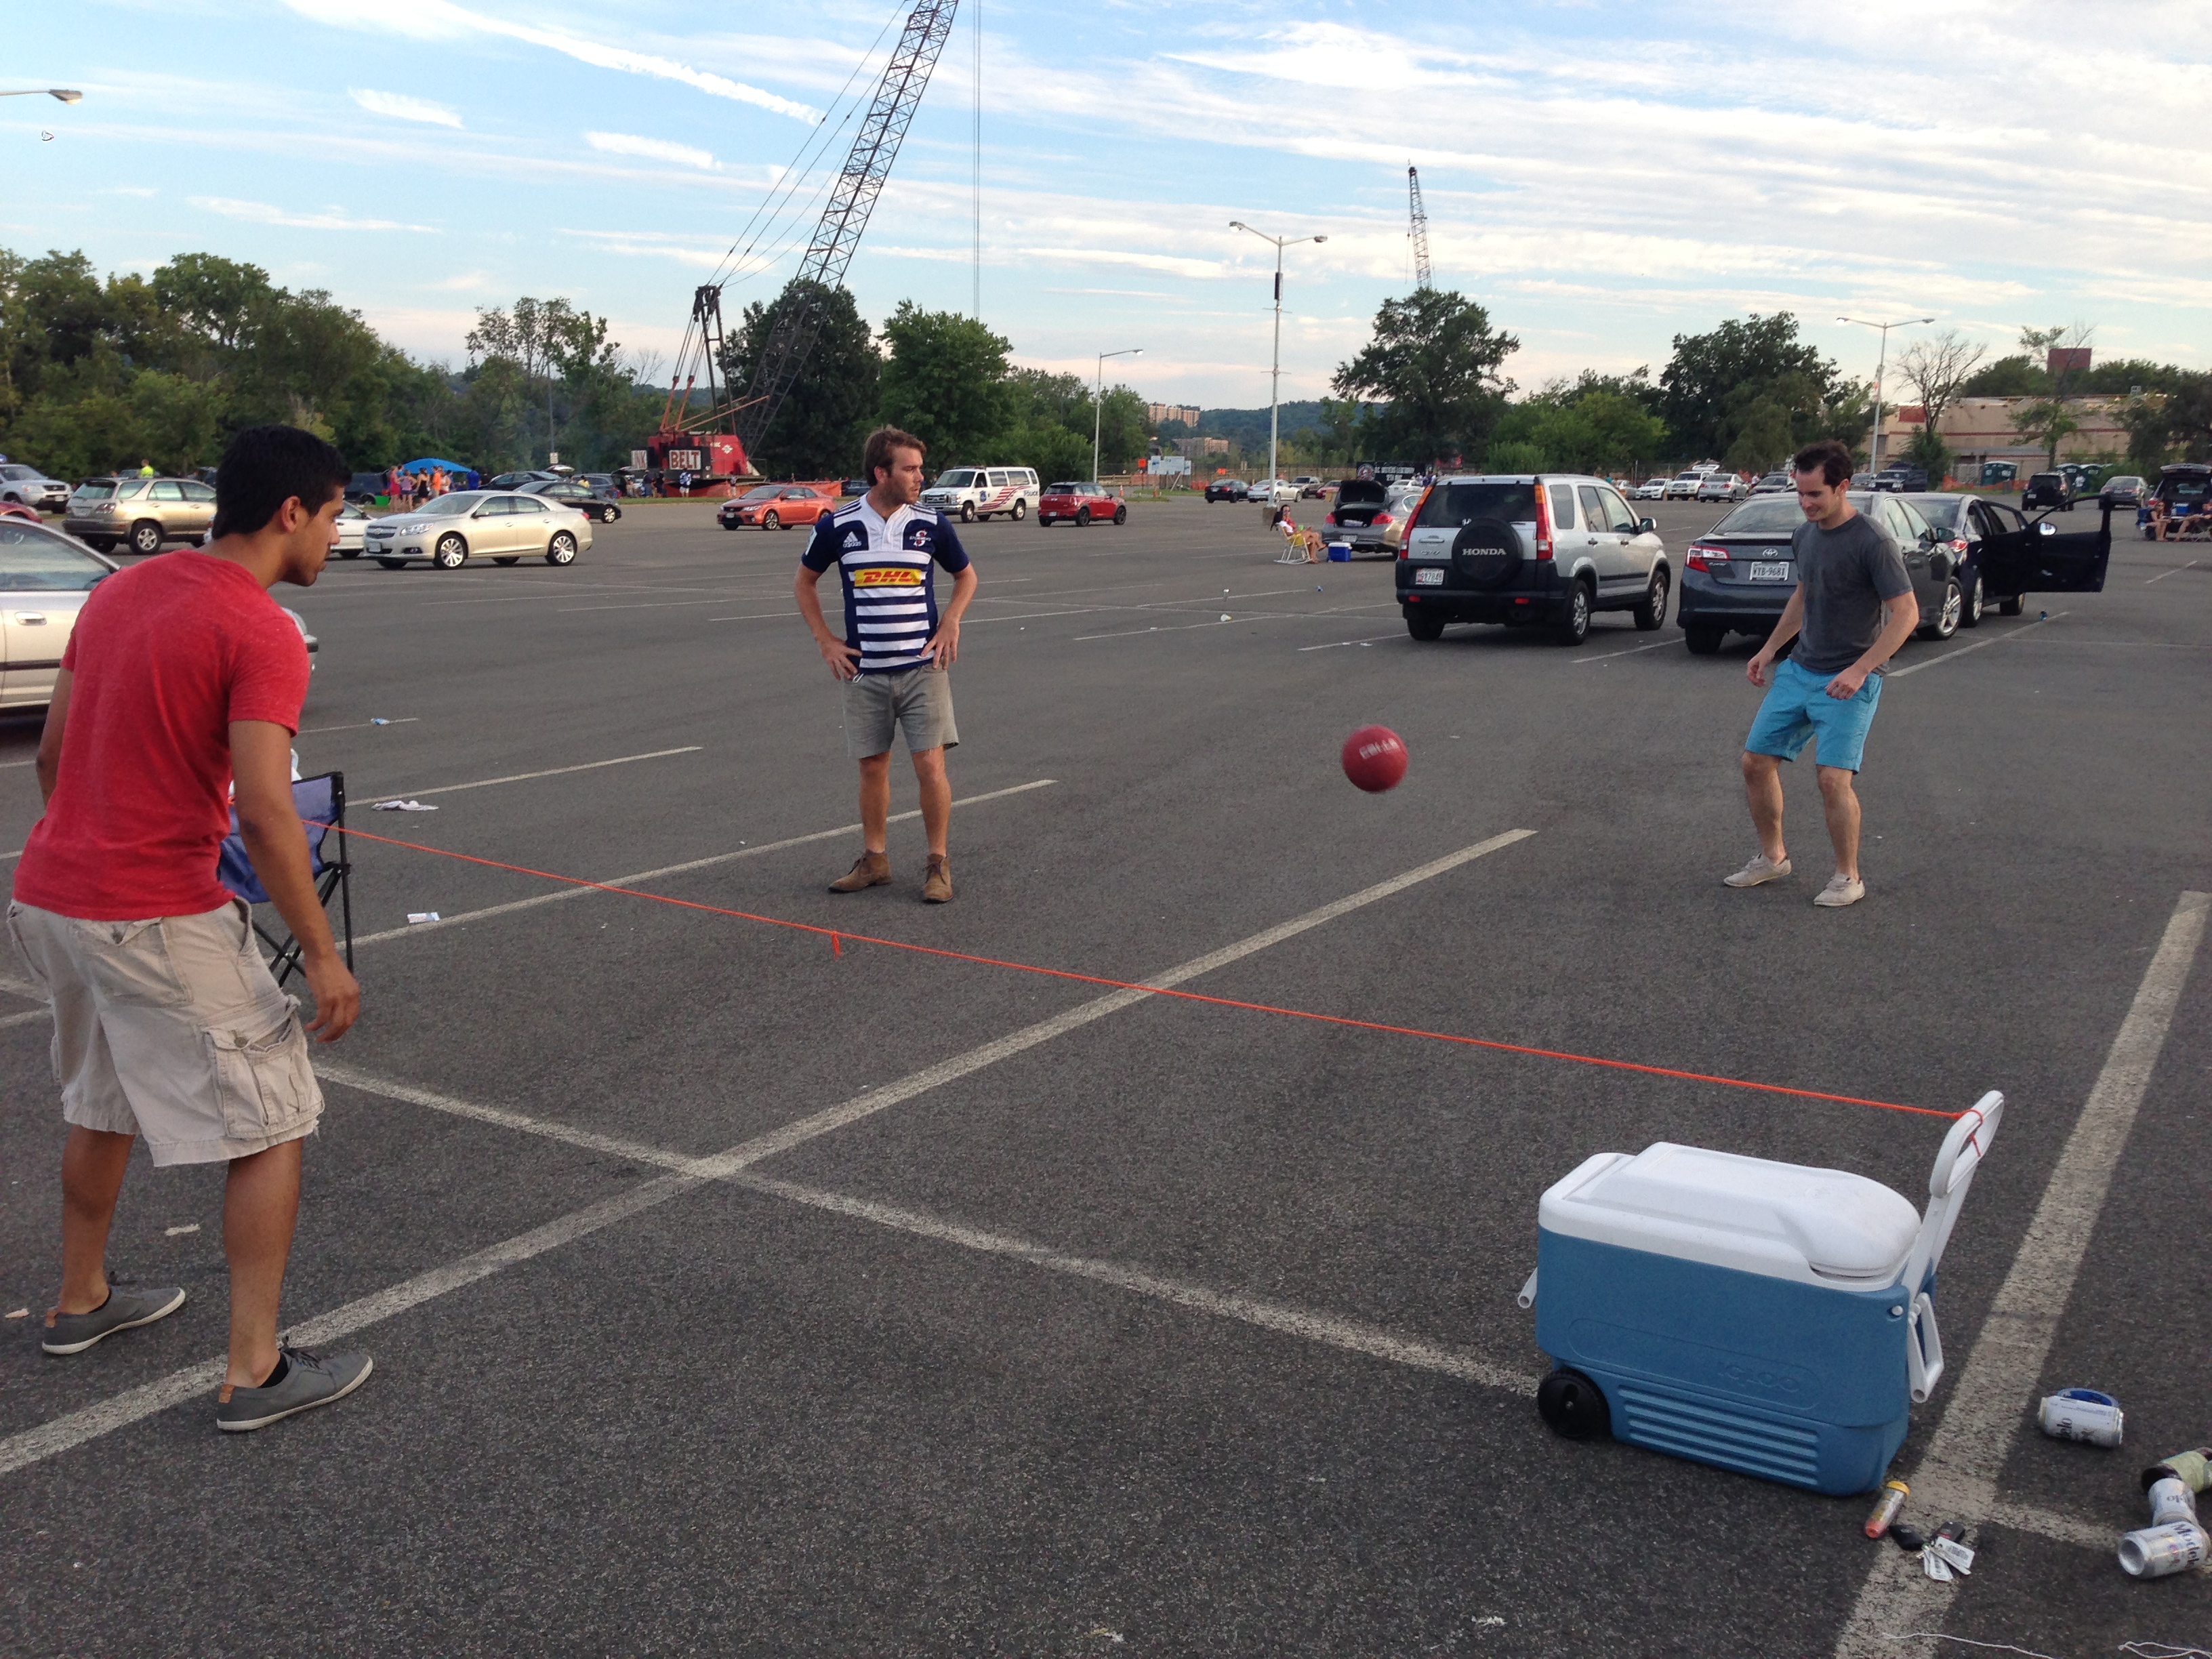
point(1420, 230)
point(714, 441)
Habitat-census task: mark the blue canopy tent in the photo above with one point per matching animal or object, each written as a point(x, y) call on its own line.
point(459, 477)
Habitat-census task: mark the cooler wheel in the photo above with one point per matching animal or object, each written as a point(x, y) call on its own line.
point(1573, 1406)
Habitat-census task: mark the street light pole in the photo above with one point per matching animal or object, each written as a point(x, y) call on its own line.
point(67, 94)
point(1880, 368)
point(1098, 403)
point(1275, 375)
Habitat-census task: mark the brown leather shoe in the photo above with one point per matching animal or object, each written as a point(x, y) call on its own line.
point(937, 885)
point(869, 870)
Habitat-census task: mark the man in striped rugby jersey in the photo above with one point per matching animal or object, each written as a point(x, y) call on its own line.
point(894, 657)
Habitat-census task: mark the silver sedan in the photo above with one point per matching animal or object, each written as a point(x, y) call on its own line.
point(502, 525)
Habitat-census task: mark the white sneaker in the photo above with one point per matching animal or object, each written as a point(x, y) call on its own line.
point(1841, 890)
point(1761, 868)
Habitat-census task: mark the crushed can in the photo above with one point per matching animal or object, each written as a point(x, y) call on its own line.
point(2157, 1550)
point(2081, 1414)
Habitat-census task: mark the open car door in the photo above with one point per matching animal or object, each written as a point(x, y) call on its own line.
point(2041, 558)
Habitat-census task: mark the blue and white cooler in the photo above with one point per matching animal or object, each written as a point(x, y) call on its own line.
point(1764, 1317)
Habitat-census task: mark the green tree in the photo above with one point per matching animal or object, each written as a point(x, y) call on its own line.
point(2047, 421)
point(1433, 364)
point(1714, 381)
point(822, 421)
point(945, 382)
point(2007, 377)
point(1766, 434)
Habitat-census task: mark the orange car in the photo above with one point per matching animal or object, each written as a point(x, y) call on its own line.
point(776, 506)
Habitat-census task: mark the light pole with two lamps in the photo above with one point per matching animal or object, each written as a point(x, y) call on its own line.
point(1275, 378)
point(1098, 404)
point(1882, 367)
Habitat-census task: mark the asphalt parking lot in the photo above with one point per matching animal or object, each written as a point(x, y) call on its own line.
point(732, 1294)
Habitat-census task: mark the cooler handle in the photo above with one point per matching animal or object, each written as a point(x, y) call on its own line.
point(1963, 1150)
point(1923, 1349)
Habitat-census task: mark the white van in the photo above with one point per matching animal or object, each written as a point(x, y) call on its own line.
point(969, 493)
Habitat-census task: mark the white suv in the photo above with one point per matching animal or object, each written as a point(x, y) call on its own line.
point(1544, 548)
point(969, 492)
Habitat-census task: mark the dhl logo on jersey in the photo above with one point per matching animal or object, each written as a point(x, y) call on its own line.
point(888, 575)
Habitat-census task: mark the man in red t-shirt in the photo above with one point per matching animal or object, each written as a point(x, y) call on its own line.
point(181, 686)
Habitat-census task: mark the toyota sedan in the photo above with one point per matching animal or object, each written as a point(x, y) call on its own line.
point(774, 506)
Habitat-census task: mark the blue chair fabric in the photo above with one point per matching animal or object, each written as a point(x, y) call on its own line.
point(320, 803)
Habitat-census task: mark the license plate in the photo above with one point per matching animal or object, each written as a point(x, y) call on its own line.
point(1428, 579)
point(1770, 570)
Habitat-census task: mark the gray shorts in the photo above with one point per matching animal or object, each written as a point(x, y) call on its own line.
point(917, 701)
point(171, 1029)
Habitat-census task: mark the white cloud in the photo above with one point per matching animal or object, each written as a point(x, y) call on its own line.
point(466, 282)
point(401, 107)
point(660, 149)
point(441, 19)
point(261, 213)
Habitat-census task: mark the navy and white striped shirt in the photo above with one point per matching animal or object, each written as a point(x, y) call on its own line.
point(891, 603)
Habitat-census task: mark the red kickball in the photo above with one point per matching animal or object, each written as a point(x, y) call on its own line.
point(1374, 758)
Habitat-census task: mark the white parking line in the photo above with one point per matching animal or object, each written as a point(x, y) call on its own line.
point(2177, 570)
point(1956, 1477)
point(563, 893)
point(9, 766)
point(1900, 673)
point(1631, 651)
point(524, 777)
point(359, 725)
point(74, 1429)
point(1335, 645)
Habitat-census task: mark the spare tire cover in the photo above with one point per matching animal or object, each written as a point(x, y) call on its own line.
point(1486, 552)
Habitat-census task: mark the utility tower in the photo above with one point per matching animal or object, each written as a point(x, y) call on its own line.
point(746, 416)
point(1420, 227)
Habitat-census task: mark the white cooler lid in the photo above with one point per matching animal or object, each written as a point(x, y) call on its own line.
point(1784, 1220)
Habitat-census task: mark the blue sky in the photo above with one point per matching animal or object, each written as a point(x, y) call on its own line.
point(1601, 176)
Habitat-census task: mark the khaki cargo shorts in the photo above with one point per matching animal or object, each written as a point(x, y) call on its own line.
point(174, 1030)
point(917, 701)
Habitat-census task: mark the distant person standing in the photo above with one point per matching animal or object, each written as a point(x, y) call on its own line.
point(896, 657)
point(1848, 570)
point(145, 469)
point(182, 681)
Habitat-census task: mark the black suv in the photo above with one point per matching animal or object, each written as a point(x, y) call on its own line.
point(1903, 480)
point(2048, 490)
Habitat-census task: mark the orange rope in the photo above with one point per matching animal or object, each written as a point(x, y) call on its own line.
point(839, 937)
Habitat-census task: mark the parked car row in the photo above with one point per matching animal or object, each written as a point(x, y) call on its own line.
point(44, 579)
point(1962, 552)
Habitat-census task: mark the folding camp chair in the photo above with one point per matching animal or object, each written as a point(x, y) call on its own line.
point(321, 802)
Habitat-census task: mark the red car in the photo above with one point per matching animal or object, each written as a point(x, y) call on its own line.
point(17, 510)
point(776, 506)
point(1079, 503)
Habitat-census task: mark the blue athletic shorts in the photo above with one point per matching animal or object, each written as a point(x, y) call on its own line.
point(1798, 710)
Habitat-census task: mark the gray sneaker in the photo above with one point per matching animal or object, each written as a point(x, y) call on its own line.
point(124, 1310)
point(1841, 890)
point(312, 1381)
point(1761, 868)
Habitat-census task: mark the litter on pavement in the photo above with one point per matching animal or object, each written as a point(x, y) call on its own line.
point(2081, 1414)
point(401, 806)
point(414, 917)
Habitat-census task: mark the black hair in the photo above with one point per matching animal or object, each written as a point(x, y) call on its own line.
point(266, 466)
point(1827, 458)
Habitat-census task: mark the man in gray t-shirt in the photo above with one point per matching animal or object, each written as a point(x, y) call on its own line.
point(1852, 608)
